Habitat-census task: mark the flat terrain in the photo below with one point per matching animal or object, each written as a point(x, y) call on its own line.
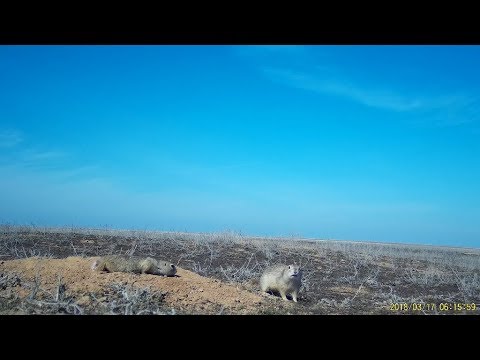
point(47, 271)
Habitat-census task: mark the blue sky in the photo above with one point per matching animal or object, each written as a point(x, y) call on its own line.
point(372, 143)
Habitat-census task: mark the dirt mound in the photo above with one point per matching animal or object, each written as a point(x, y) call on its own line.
point(187, 291)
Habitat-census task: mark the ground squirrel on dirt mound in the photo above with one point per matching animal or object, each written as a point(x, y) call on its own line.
point(283, 279)
point(116, 263)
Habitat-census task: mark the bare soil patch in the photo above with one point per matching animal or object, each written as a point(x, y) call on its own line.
point(185, 292)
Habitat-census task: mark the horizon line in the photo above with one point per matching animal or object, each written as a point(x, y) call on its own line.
point(240, 233)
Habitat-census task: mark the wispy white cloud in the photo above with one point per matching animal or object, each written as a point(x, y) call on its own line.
point(58, 165)
point(302, 68)
point(10, 138)
point(34, 158)
point(385, 99)
point(323, 78)
point(17, 152)
point(38, 155)
point(461, 110)
point(54, 173)
point(443, 110)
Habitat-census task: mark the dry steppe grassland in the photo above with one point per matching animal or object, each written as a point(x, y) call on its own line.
point(46, 271)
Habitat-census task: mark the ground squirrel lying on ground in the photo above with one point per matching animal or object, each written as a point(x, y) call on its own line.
point(136, 265)
point(282, 279)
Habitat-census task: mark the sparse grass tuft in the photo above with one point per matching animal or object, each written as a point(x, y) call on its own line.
point(123, 299)
point(42, 302)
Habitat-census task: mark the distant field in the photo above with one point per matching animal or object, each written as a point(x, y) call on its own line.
point(220, 271)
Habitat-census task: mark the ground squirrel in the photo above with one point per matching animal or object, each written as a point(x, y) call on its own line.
point(283, 279)
point(136, 265)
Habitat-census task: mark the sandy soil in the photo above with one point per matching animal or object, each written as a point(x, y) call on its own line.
point(187, 291)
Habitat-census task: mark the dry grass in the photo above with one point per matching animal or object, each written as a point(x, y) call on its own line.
point(339, 277)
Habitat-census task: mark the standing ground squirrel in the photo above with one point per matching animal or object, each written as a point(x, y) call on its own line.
point(136, 265)
point(283, 279)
